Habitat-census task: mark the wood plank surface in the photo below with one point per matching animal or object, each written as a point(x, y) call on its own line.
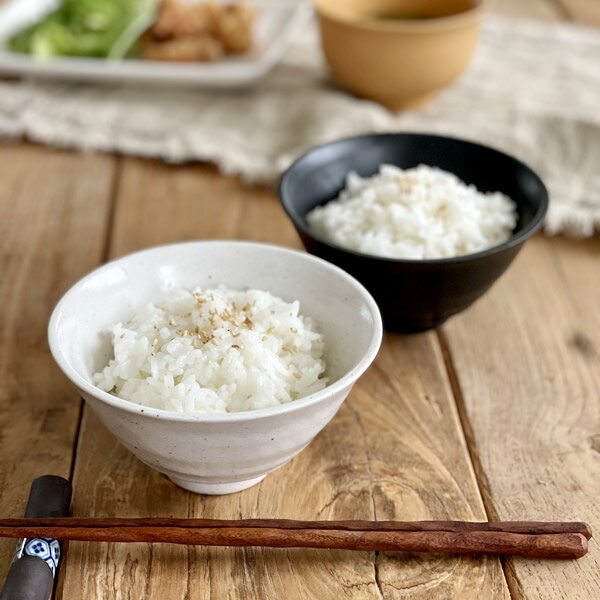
point(53, 218)
point(527, 365)
point(395, 450)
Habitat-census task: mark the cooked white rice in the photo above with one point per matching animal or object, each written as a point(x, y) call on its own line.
point(215, 351)
point(419, 213)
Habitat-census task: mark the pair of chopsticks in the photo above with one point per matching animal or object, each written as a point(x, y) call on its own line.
point(528, 539)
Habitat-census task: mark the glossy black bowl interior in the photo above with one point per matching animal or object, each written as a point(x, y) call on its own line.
point(414, 295)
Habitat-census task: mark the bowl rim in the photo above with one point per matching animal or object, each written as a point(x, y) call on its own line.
point(348, 379)
point(455, 20)
point(515, 239)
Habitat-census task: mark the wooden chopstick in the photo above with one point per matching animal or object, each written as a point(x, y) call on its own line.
point(530, 539)
point(525, 527)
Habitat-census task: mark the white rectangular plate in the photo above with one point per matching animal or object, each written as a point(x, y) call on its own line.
point(277, 23)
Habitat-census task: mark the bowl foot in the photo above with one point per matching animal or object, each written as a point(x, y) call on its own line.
point(215, 489)
point(408, 103)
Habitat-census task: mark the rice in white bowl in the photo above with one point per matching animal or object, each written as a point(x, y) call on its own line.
point(215, 351)
point(419, 213)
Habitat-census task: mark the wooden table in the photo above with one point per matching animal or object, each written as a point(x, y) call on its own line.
point(494, 416)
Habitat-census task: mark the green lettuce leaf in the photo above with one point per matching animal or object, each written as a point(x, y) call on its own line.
point(94, 28)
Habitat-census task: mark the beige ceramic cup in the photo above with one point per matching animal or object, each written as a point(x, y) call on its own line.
point(397, 52)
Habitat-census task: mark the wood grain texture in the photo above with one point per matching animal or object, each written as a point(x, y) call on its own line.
point(159, 204)
point(418, 467)
point(53, 218)
point(527, 363)
point(394, 451)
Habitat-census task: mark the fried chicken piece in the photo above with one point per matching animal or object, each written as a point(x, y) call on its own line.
point(201, 32)
point(178, 20)
point(201, 48)
point(233, 26)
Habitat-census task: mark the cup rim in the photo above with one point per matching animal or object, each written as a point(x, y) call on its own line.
point(348, 379)
point(452, 21)
point(515, 239)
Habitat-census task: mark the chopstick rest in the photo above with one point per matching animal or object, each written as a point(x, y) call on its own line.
point(31, 576)
point(528, 539)
point(50, 496)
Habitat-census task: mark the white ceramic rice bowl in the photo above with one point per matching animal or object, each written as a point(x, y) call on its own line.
point(216, 454)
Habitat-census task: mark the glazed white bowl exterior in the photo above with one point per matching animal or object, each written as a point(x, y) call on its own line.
point(216, 454)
